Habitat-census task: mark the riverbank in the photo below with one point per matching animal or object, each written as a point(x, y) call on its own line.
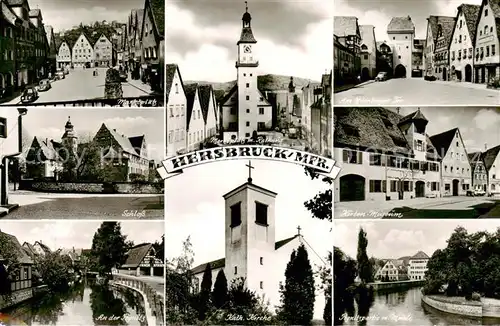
point(395, 286)
point(485, 308)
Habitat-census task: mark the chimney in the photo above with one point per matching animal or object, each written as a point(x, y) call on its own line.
point(485, 146)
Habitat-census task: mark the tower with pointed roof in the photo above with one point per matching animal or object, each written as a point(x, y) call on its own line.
point(69, 138)
point(414, 126)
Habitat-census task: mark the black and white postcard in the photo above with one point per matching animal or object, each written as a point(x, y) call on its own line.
point(81, 163)
point(250, 242)
point(411, 162)
point(82, 273)
point(82, 53)
point(416, 272)
point(416, 52)
point(238, 73)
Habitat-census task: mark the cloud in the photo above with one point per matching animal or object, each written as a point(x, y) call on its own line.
point(50, 133)
point(126, 123)
point(207, 52)
point(486, 119)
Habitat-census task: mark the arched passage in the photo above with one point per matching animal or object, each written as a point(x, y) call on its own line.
point(400, 71)
point(468, 73)
point(352, 188)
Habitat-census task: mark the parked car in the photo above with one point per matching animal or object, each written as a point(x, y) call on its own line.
point(430, 78)
point(381, 76)
point(123, 76)
point(59, 75)
point(44, 85)
point(30, 94)
point(479, 193)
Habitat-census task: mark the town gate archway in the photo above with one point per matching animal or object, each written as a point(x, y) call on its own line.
point(455, 187)
point(400, 71)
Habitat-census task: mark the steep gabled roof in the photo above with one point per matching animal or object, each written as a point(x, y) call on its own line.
point(158, 8)
point(137, 143)
point(475, 159)
point(471, 15)
point(345, 25)
point(8, 14)
point(136, 255)
point(190, 91)
point(490, 156)
point(446, 22)
point(205, 93)
point(443, 141)
point(221, 263)
point(419, 255)
point(21, 253)
point(400, 25)
point(170, 70)
point(417, 115)
point(368, 36)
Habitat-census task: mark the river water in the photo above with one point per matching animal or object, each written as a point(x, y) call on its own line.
point(84, 304)
point(406, 308)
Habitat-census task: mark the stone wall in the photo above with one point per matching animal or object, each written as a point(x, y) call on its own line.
point(16, 297)
point(93, 188)
point(471, 309)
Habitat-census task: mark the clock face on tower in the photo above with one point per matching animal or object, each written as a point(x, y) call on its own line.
point(247, 49)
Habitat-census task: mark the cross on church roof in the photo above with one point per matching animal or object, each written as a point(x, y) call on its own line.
point(250, 167)
point(298, 230)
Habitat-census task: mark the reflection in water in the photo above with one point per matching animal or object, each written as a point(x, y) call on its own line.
point(405, 308)
point(84, 304)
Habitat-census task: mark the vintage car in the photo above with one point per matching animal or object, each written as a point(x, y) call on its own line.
point(381, 76)
point(30, 94)
point(44, 85)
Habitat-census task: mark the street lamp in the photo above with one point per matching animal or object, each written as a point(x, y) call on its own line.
point(22, 112)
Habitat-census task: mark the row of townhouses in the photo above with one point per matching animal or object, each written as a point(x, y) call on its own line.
point(197, 112)
point(25, 45)
point(463, 48)
point(387, 156)
point(404, 268)
point(125, 157)
point(137, 45)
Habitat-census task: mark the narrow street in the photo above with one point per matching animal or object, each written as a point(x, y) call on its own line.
point(34, 205)
point(417, 91)
point(80, 84)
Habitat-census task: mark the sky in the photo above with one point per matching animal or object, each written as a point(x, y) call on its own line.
point(478, 126)
point(78, 234)
point(379, 13)
point(64, 14)
point(195, 206)
point(294, 37)
point(49, 123)
point(398, 238)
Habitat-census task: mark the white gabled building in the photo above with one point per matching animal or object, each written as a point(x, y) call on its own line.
point(462, 43)
point(393, 270)
point(195, 126)
point(487, 52)
point(63, 58)
point(368, 52)
point(418, 266)
point(82, 52)
point(208, 109)
point(491, 159)
point(455, 165)
point(176, 111)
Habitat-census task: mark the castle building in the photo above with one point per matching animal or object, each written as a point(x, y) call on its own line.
point(245, 110)
point(251, 249)
point(401, 33)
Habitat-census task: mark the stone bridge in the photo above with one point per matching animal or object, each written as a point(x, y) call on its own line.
point(152, 291)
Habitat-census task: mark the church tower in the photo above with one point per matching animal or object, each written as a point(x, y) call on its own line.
point(250, 235)
point(289, 99)
point(69, 139)
point(248, 94)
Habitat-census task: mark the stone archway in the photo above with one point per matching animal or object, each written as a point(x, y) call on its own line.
point(365, 74)
point(455, 188)
point(445, 73)
point(468, 73)
point(400, 71)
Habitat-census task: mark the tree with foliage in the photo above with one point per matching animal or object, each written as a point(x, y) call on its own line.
point(365, 268)
point(297, 294)
point(56, 270)
point(69, 164)
point(159, 248)
point(220, 294)
point(203, 304)
point(321, 205)
point(344, 274)
point(108, 247)
point(178, 286)
point(325, 275)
